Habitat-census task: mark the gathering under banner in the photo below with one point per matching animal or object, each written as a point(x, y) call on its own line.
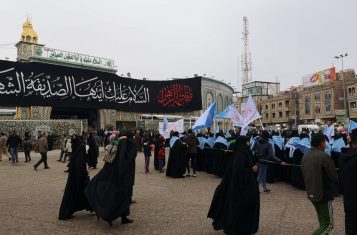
point(38, 84)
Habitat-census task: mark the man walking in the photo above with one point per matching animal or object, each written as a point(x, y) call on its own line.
point(348, 171)
point(320, 179)
point(42, 148)
point(263, 151)
point(14, 142)
point(3, 147)
point(192, 142)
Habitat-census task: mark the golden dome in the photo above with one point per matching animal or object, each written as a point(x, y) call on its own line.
point(28, 34)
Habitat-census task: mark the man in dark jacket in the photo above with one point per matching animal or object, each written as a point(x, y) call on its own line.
point(320, 178)
point(263, 151)
point(14, 142)
point(192, 141)
point(348, 171)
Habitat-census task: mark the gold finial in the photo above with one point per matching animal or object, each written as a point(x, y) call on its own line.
point(28, 33)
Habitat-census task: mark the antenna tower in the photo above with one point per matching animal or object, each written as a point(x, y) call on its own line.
point(246, 60)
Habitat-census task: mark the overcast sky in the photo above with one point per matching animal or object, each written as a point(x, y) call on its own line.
point(161, 39)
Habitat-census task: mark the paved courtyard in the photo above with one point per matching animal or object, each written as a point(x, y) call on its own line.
point(30, 200)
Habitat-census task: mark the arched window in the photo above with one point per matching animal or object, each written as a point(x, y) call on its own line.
point(307, 105)
point(209, 99)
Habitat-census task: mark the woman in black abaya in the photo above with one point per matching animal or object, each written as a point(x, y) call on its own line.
point(235, 205)
point(176, 165)
point(92, 153)
point(109, 192)
point(73, 198)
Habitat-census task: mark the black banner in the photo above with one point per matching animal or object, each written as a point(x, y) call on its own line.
point(37, 84)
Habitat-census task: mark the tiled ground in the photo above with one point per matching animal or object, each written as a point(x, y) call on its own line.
point(29, 204)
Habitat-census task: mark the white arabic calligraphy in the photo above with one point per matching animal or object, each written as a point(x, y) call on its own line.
point(93, 89)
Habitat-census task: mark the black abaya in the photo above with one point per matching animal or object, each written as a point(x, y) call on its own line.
point(92, 152)
point(297, 179)
point(109, 192)
point(235, 205)
point(208, 155)
point(73, 198)
point(176, 165)
point(218, 162)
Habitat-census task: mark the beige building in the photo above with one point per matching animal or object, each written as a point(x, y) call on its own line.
point(322, 104)
point(352, 99)
point(279, 109)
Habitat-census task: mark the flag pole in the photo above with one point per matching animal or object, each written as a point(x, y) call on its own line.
point(261, 123)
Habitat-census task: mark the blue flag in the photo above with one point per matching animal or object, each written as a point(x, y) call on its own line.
point(338, 145)
point(351, 126)
point(206, 119)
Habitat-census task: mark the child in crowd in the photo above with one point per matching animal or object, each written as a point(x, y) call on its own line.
point(147, 154)
point(161, 158)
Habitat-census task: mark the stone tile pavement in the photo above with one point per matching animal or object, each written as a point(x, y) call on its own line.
point(29, 204)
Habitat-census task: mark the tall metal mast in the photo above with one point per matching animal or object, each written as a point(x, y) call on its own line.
point(246, 60)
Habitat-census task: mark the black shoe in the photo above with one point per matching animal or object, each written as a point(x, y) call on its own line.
point(35, 168)
point(188, 175)
point(47, 167)
point(9, 158)
point(17, 160)
point(66, 171)
point(126, 220)
point(26, 161)
point(59, 160)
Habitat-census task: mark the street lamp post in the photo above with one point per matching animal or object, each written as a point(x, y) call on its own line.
point(344, 86)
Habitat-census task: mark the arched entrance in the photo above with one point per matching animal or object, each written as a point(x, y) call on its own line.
point(77, 113)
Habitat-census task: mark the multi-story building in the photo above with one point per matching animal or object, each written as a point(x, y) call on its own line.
point(280, 109)
point(322, 104)
point(352, 100)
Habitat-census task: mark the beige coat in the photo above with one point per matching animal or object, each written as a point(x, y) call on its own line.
point(3, 140)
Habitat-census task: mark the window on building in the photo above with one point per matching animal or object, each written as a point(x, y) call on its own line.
point(287, 103)
point(317, 97)
point(317, 109)
point(273, 106)
point(353, 90)
point(353, 106)
point(287, 114)
point(266, 116)
point(266, 107)
point(350, 91)
point(328, 102)
point(273, 115)
point(280, 105)
point(307, 105)
point(280, 114)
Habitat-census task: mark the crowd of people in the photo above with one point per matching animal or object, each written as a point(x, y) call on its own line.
point(323, 165)
point(318, 163)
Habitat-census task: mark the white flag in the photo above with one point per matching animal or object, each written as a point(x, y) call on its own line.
point(232, 113)
point(250, 112)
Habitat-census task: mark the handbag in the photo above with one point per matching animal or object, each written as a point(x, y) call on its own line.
point(110, 152)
